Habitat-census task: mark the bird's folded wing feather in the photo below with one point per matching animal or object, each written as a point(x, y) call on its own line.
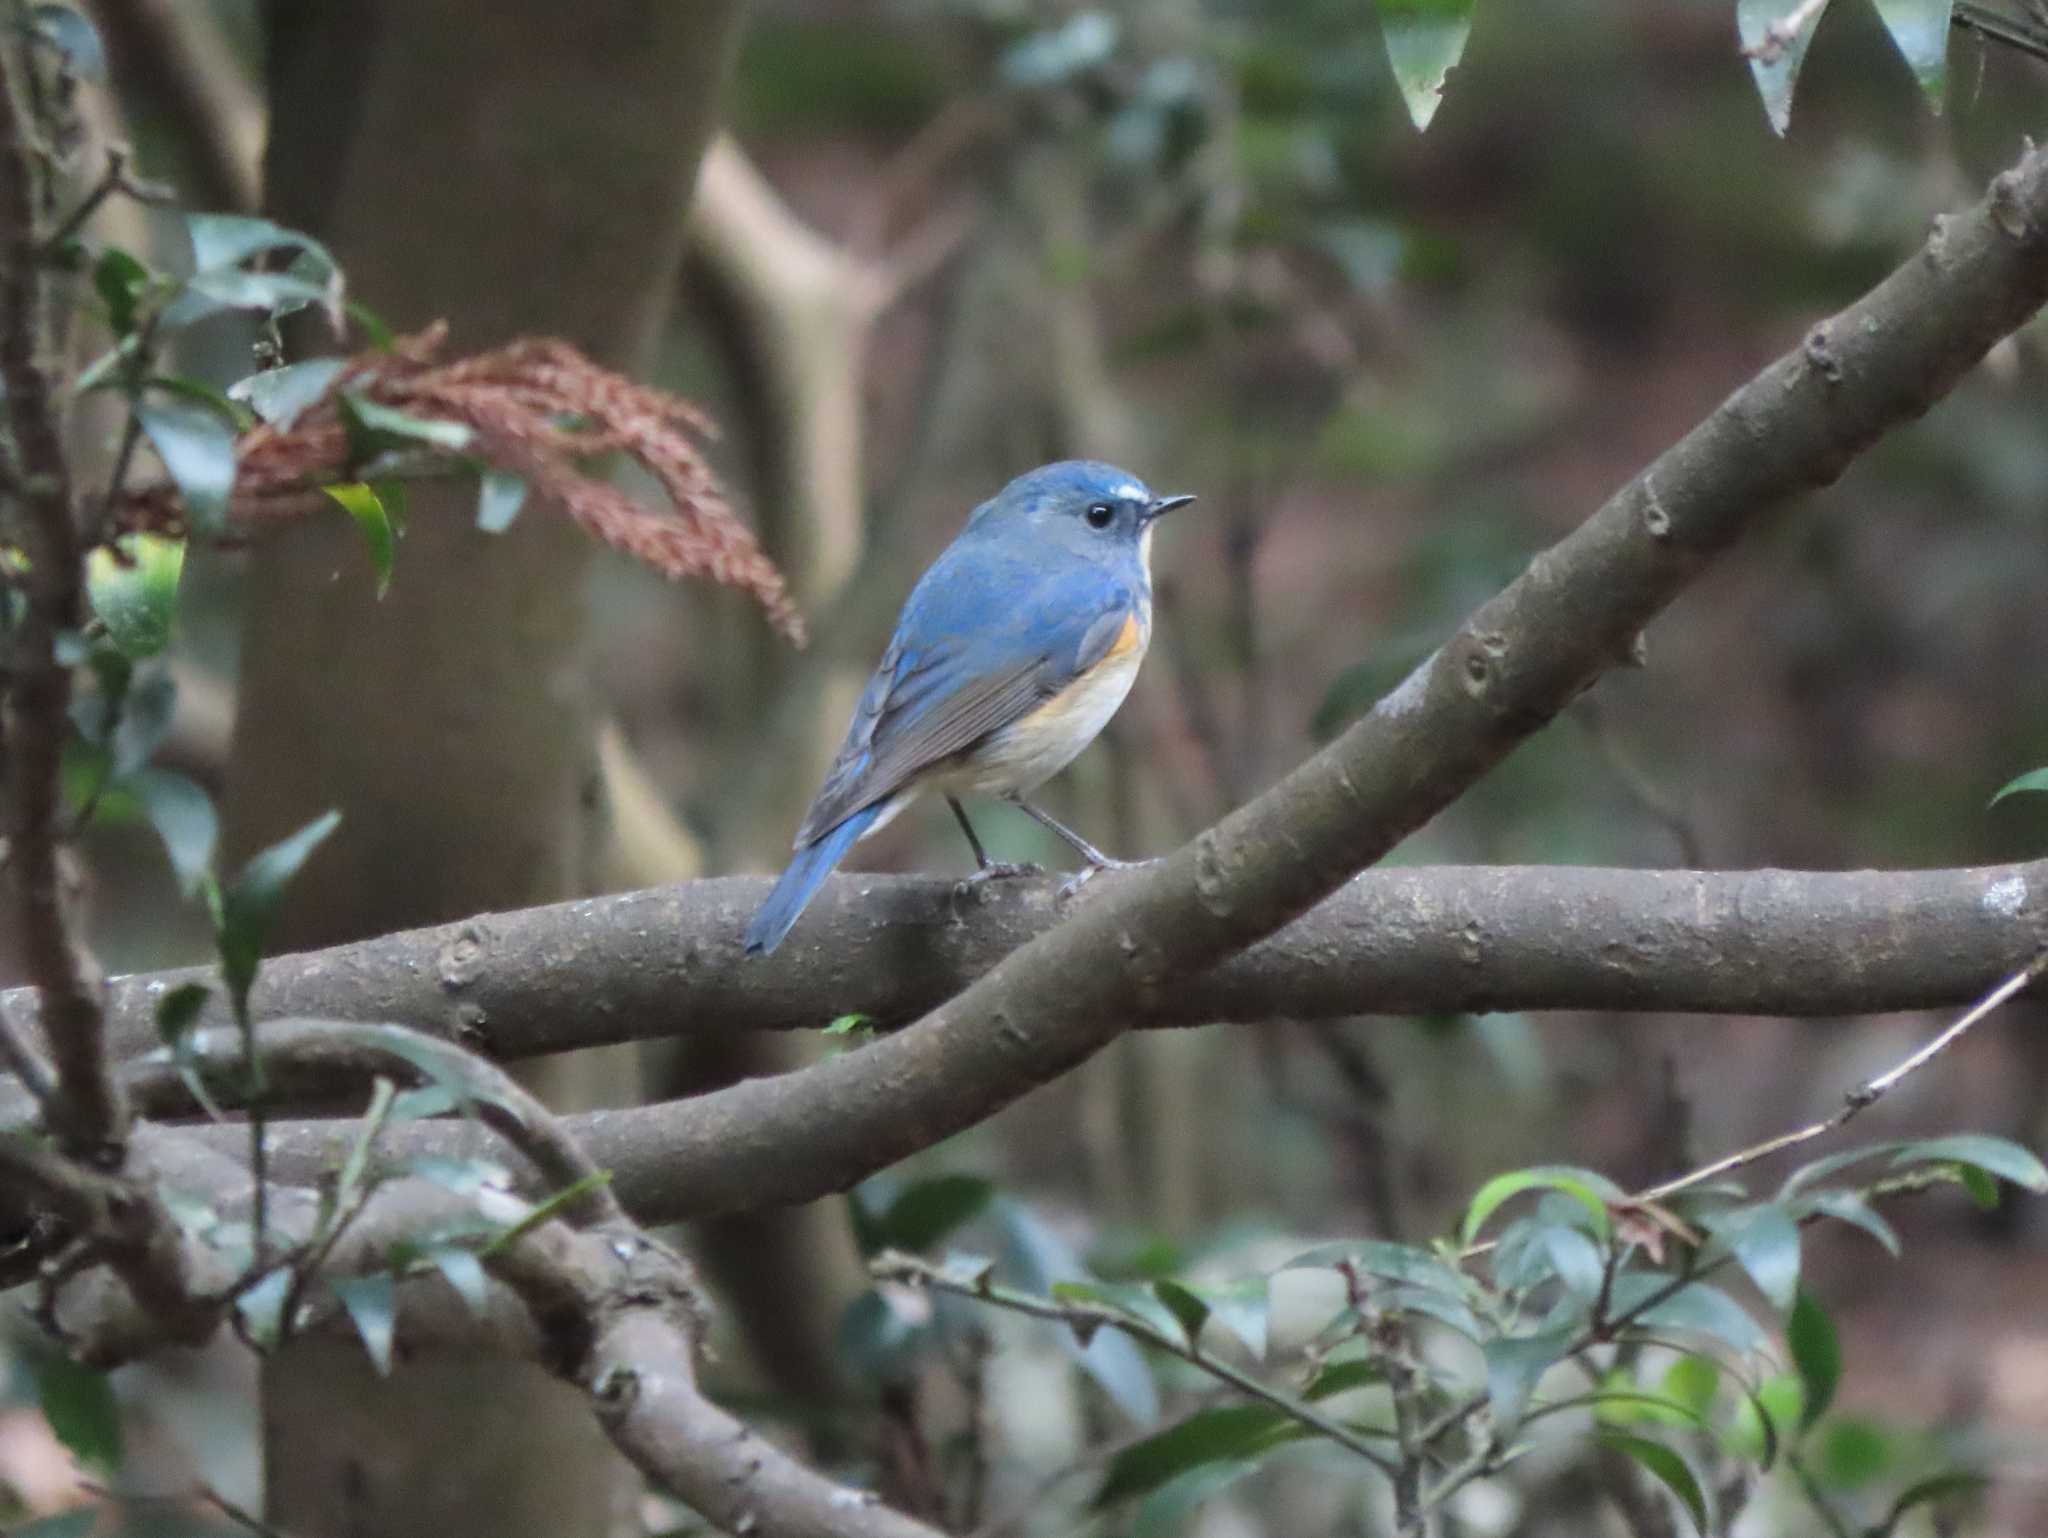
point(924, 706)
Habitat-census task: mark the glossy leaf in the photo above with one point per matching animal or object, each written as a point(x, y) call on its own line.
point(373, 523)
point(1430, 1304)
point(78, 1402)
point(372, 1304)
point(135, 593)
point(262, 1307)
point(228, 240)
point(1766, 1416)
point(1383, 1258)
point(184, 818)
point(1240, 1307)
point(1920, 30)
point(1034, 1257)
point(1816, 1354)
point(280, 395)
point(198, 449)
point(1589, 1190)
point(2032, 780)
point(1165, 1512)
point(1342, 1377)
point(464, 1272)
point(1775, 57)
point(1425, 39)
point(1668, 1468)
point(1765, 1242)
point(1849, 1207)
point(1573, 1257)
point(1126, 1298)
point(374, 428)
point(248, 907)
point(1217, 1434)
point(500, 495)
point(1514, 1365)
point(1993, 1155)
point(1698, 1309)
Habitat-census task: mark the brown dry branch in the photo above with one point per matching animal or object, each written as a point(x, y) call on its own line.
point(535, 407)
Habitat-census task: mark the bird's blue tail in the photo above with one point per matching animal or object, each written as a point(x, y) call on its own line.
point(806, 873)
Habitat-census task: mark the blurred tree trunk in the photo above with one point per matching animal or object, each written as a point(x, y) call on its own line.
point(524, 167)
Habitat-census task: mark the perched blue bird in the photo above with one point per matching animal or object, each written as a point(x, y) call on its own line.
point(1015, 649)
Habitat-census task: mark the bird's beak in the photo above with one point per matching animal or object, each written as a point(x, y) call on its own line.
point(1161, 505)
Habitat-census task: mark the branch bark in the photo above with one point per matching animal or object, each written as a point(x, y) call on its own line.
point(1511, 667)
point(1417, 940)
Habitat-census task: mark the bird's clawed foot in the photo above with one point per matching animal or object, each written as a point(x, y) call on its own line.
point(997, 870)
point(1086, 873)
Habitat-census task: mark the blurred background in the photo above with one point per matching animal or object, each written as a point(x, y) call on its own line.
point(942, 241)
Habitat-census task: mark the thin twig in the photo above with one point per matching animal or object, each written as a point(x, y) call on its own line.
point(1858, 1100)
point(909, 1270)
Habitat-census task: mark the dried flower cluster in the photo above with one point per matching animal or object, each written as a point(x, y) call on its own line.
point(538, 408)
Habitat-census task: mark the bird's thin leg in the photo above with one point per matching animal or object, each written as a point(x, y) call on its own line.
point(1096, 859)
point(986, 869)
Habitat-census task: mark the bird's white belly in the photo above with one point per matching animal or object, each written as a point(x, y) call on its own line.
point(1034, 748)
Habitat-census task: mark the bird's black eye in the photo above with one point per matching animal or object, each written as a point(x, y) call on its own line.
point(1100, 515)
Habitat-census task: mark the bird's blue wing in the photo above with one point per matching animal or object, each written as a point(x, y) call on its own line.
point(983, 640)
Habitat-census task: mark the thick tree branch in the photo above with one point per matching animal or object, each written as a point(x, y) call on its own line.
point(1421, 940)
point(35, 482)
point(1518, 661)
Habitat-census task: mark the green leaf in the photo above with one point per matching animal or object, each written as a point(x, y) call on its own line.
point(1425, 39)
point(373, 326)
point(374, 428)
point(1219, 1434)
point(464, 1177)
point(280, 395)
point(1765, 1243)
point(182, 814)
point(198, 449)
point(135, 591)
point(1240, 1307)
point(1165, 1512)
point(262, 1307)
point(427, 1100)
point(228, 240)
point(1126, 1298)
point(1697, 1309)
point(1993, 1155)
point(1034, 1257)
point(500, 495)
point(1574, 1257)
point(1591, 1191)
point(464, 1272)
point(1435, 1305)
point(179, 1010)
point(1931, 1491)
point(2034, 779)
point(1381, 1257)
point(363, 504)
point(79, 1405)
point(845, 1025)
point(372, 1304)
point(1766, 1416)
point(68, 31)
point(1850, 1207)
point(1774, 60)
point(1342, 1377)
point(1514, 1365)
point(120, 281)
point(76, 1523)
point(1668, 1468)
point(926, 1212)
point(1920, 29)
point(1853, 1452)
point(248, 907)
point(1816, 1354)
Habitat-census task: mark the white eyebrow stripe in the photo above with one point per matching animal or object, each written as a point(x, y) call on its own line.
point(1130, 491)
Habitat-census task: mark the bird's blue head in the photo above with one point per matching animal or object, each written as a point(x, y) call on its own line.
point(1081, 507)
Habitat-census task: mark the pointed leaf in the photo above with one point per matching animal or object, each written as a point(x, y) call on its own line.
point(262, 1307)
point(1697, 1309)
point(1425, 39)
point(1993, 1155)
point(367, 509)
point(1670, 1470)
point(1223, 1432)
point(1775, 35)
point(182, 814)
point(464, 1272)
point(119, 279)
point(1849, 1207)
point(248, 907)
point(136, 597)
point(1930, 1491)
point(2033, 779)
point(1380, 1257)
point(1165, 1512)
point(500, 495)
point(1920, 29)
point(1125, 1298)
point(926, 1212)
point(228, 240)
point(1342, 1377)
point(279, 395)
point(1033, 1257)
point(1816, 1354)
point(1574, 1257)
point(372, 1304)
point(198, 449)
point(1188, 1310)
point(374, 428)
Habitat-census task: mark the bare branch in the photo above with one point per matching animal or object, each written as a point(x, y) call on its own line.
point(1413, 940)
